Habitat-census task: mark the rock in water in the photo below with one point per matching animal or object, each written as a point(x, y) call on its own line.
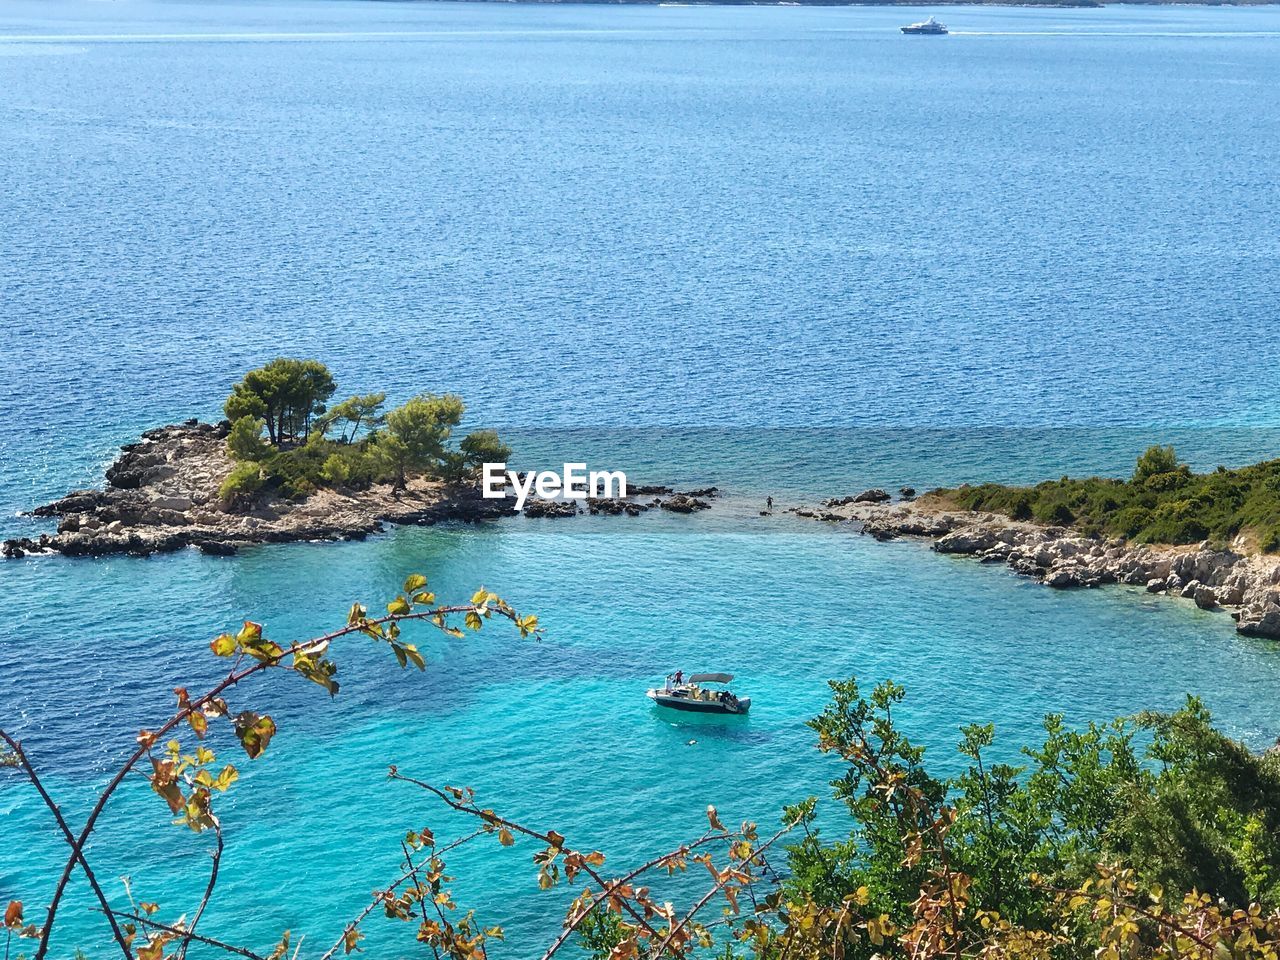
point(874, 495)
point(1205, 598)
point(684, 503)
point(550, 508)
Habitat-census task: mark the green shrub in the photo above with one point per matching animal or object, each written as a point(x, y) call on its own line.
point(1169, 480)
point(241, 483)
point(336, 471)
point(1175, 521)
point(1155, 460)
point(1164, 503)
point(245, 442)
point(299, 471)
point(453, 467)
point(1129, 522)
point(1053, 512)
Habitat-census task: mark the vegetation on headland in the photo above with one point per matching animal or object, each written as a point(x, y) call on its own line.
point(284, 436)
point(1163, 502)
point(1151, 837)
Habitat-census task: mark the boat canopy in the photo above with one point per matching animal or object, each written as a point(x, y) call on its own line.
point(711, 678)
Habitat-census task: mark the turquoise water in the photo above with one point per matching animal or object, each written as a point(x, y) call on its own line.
point(556, 732)
point(784, 250)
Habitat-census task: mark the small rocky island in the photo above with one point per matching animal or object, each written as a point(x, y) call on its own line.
point(1237, 570)
point(285, 467)
point(162, 494)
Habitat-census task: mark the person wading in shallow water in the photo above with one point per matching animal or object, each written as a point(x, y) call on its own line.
point(768, 502)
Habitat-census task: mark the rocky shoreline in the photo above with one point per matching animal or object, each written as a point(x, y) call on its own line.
point(161, 495)
point(1246, 584)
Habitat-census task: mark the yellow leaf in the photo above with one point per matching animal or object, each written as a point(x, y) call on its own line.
point(223, 646)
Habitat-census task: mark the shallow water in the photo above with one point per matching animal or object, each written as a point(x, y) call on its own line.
point(783, 250)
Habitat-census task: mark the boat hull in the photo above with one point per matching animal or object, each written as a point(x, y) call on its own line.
point(700, 706)
point(914, 31)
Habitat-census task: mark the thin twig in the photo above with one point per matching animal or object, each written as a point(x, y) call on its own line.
point(493, 818)
point(572, 925)
point(417, 885)
point(379, 895)
point(77, 853)
point(179, 931)
point(208, 890)
point(720, 884)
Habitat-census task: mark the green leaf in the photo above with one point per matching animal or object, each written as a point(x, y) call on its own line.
point(398, 606)
point(415, 582)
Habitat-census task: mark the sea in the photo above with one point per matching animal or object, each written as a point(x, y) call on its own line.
point(782, 250)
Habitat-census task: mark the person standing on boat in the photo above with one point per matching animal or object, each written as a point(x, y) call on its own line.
point(679, 677)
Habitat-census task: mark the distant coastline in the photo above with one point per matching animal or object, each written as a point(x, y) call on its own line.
point(1061, 4)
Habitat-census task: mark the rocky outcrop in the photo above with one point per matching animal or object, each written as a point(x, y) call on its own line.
point(162, 495)
point(550, 508)
point(1246, 584)
point(874, 495)
point(617, 506)
point(686, 502)
point(672, 500)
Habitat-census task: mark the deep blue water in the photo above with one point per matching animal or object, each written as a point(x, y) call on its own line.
point(780, 249)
